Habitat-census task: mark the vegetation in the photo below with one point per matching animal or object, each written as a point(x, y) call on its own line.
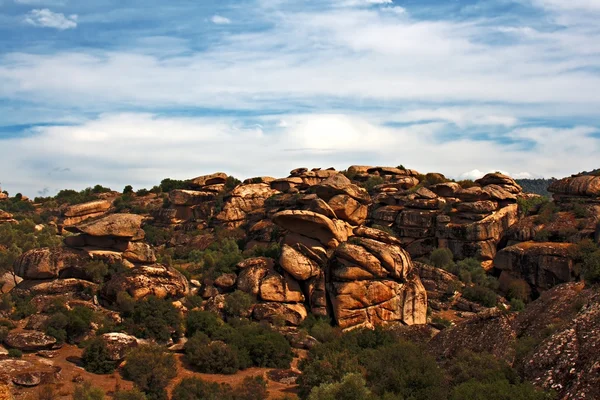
point(15, 353)
point(252, 344)
point(69, 325)
point(133, 394)
point(536, 186)
point(587, 255)
point(151, 369)
point(96, 358)
point(252, 388)
point(373, 181)
point(219, 258)
point(154, 318)
point(528, 205)
point(86, 391)
point(238, 304)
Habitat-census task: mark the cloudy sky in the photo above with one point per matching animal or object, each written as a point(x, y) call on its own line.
point(130, 92)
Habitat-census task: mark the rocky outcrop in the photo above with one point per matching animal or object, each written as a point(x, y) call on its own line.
point(582, 187)
point(148, 280)
point(78, 213)
point(542, 265)
point(490, 331)
point(118, 344)
point(7, 218)
point(48, 263)
point(564, 322)
point(127, 226)
point(212, 180)
point(243, 201)
point(469, 221)
point(29, 340)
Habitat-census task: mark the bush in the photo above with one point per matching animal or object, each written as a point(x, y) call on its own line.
point(542, 236)
point(251, 388)
point(196, 388)
point(96, 271)
point(86, 391)
point(96, 358)
point(373, 181)
point(211, 357)
point(499, 390)
point(590, 268)
point(238, 304)
point(219, 258)
point(202, 321)
point(547, 213)
point(529, 204)
point(151, 369)
point(351, 387)
point(132, 394)
point(481, 295)
point(442, 258)
point(404, 369)
point(519, 289)
point(15, 353)
point(156, 319)
point(128, 189)
point(517, 305)
point(70, 325)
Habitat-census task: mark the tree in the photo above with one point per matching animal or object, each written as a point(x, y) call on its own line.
point(238, 304)
point(127, 190)
point(442, 258)
point(132, 394)
point(86, 391)
point(151, 369)
point(351, 387)
point(196, 388)
point(211, 357)
point(96, 358)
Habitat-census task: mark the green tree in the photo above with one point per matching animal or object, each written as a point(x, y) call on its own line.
point(442, 258)
point(128, 190)
point(351, 387)
point(86, 391)
point(196, 388)
point(151, 369)
point(96, 358)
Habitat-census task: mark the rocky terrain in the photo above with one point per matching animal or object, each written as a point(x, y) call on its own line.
point(451, 265)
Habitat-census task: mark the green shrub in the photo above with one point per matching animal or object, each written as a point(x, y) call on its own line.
point(86, 391)
point(529, 204)
point(442, 258)
point(590, 268)
point(219, 258)
point(329, 367)
point(211, 357)
point(3, 333)
point(151, 369)
point(542, 236)
point(373, 181)
point(128, 189)
point(519, 289)
point(238, 304)
point(167, 184)
point(548, 213)
point(251, 388)
point(323, 331)
point(132, 394)
point(96, 271)
point(70, 325)
point(499, 390)
point(202, 321)
point(517, 305)
point(481, 295)
point(351, 387)
point(156, 319)
point(15, 353)
point(404, 369)
point(96, 358)
point(196, 388)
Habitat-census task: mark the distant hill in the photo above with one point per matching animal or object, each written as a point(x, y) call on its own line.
point(537, 186)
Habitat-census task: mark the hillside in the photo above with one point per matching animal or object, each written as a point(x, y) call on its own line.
point(381, 281)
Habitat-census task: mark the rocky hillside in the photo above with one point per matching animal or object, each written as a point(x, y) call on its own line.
point(362, 248)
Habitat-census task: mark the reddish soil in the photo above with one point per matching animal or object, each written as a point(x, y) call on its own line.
point(71, 374)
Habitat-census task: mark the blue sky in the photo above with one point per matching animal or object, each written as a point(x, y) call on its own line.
point(130, 92)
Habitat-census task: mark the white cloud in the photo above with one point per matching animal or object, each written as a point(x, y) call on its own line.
point(141, 149)
point(463, 117)
point(42, 2)
point(379, 1)
point(220, 20)
point(590, 5)
point(47, 19)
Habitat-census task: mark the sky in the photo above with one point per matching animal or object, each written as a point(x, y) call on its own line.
point(128, 92)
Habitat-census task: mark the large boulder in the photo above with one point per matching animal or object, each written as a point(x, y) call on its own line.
point(180, 197)
point(339, 184)
point(218, 178)
point(118, 344)
point(117, 225)
point(46, 263)
point(297, 264)
point(52, 287)
point(252, 271)
point(542, 265)
point(581, 185)
point(77, 213)
point(156, 280)
point(29, 340)
point(312, 225)
point(280, 288)
point(293, 314)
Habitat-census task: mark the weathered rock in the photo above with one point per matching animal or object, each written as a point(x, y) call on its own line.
point(118, 344)
point(582, 185)
point(118, 225)
point(80, 212)
point(180, 197)
point(55, 287)
point(446, 189)
point(226, 281)
point(339, 184)
point(496, 178)
point(376, 234)
point(491, 331)
point(157, 280)
point(252, 272)
point(542, 265)
point(499, 193)
point(285, 184)
point(293, 314)
point(138, 252)
point(29, 340)
point(7, 218)
point(218, 178)
point(312, 225)
point(280, 288)
point(27, 379)
point(348, 209)
point(48, 263)
point(478, 207)
point(297, 264)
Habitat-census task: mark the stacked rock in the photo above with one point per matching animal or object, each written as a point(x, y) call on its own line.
point(301, 179)
point(7, 218)
point(332, 265)
point(245, 204)
point(468, 221)
point(75, 214)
